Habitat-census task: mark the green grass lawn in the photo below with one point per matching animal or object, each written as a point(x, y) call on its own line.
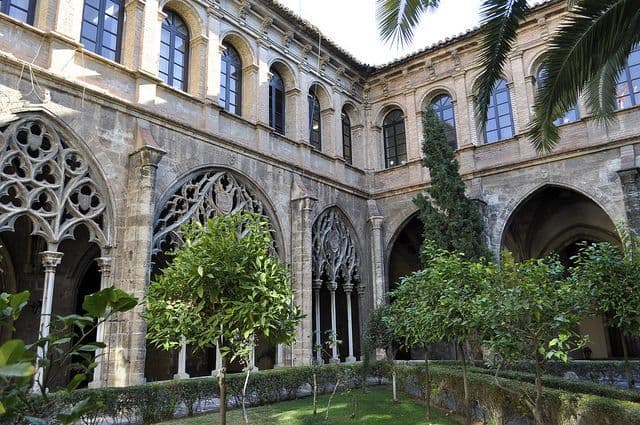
point(373, 408)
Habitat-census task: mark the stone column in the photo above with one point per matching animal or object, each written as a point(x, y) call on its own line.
point(378, 277)
point(104, 266)
point(630, 180)
point(317, 284)
point(348, 287)
point(334, 328)
point(182, 361)
point(50, 261)
point(136, 243)
point(302, 203)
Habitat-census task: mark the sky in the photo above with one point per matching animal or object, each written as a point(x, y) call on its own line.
point(351, 24)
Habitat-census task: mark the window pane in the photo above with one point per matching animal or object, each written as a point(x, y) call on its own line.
point(505, 121)
point(505, 133)
point(491, 136)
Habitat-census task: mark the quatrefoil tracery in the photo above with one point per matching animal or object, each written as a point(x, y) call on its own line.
point(44, 178)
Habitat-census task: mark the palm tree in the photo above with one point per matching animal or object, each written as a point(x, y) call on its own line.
point(585, 55)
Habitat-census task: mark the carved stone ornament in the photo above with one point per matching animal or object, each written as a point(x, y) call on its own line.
point(205, 195)
point(334, 252)
point(44, 178)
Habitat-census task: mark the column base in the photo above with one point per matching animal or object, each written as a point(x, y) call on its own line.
point(350, 360)
point(95, 384)
point(181, 376)
point(334, 361)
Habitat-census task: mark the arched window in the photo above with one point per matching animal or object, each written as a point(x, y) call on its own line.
point(443, 107)
point(315, 121)
point(102, 27)
point(231, 80)
point(499, 124)
point(276, 102)
point(174, 51)
point(628, 87)
point(395, 146)
point(571, 115)
point(346, 138)
point(23, 10)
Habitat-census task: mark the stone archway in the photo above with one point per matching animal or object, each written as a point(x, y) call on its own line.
point(335, 266)
point(556, 219)
point(197, 197)
point(55, 216)
point(404, 252)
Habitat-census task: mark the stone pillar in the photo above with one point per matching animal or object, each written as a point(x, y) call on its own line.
point(182, 361)
point(143, 164)
point(630, 180)
point(334, 328)
point(50, 261)
point(348, 287)
point(317, 284)
point(302, 203)
point(295, 118)
point(250, 94)
point(135, 34)
point(104, 266)
point(378, 277)
point(328, 143)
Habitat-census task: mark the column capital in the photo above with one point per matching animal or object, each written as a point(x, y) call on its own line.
point(51, 260)
point(332, 286)
point(104, 265)
point(348, 288)
point(148, 156)
point(317, 283)
point(629, 175)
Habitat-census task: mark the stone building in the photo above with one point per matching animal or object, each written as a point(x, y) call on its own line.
point(120, 121)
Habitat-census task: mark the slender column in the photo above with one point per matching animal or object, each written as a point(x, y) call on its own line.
point(377, 253)
point(317, 284)
point(182, 361)
point(279, 357)
point(50, 261)
point(218, 362)
point(252, 358)
point(104, 266)
point(334, 328)
point(348, 287)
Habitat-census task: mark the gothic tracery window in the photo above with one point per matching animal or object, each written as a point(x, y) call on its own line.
point(395, 146)
point(101, 31)
point(174, 51)
point(499, 124)
point(443, 107)
point(231, 80)
point(23, 10)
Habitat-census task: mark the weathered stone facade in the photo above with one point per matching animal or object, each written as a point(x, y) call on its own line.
point(145, 141)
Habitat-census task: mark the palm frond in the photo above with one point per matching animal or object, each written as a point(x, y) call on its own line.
point(586, 52)
point(601, 89)
point(397, 19)
point(501, 20)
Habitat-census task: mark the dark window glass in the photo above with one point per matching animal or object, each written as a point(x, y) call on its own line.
point(571, 115)
point(628, 87)
point(395, 146)
point(22, 10)
point(315, 121)
point(276, 102)
point(231, 80)
point(499, 124)
point(346, 138)
point(443, 107)
point(174, 43)
point(102, 27)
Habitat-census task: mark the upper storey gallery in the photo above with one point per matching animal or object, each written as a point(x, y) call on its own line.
point(233, 66)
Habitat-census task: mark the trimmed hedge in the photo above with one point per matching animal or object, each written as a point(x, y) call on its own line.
point(497, 405)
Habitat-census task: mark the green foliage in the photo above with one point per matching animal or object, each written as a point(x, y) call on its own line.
point(379, 334)
point(67, 352)
point(450, 219)
point(223, 285)
point(397, 19)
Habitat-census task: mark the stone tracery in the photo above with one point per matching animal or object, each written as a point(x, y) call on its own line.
point(44, 178)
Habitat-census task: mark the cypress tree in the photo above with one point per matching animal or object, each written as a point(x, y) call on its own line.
point(450, 218)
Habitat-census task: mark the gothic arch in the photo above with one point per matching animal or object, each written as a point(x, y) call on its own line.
point(47, 175)
point(204, 193)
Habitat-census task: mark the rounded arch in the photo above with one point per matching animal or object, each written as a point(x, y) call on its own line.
point(187, 12)
point(50, 175)
point(206, 191)
point(352, 111)
point(553, 218)
point(535, 63)
point(403, 250)
point(384, 110)
point(435, 92)
point(286, 72)
point(322, 94)
point(242, 45)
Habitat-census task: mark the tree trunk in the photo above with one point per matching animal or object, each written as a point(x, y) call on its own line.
point(465, 382)
point(428, 385)
point(627, 368)
point(244, 395)
point(315, 390)
point(223, 392)
point(333, 393)
point(391, 360)
point(537, 408)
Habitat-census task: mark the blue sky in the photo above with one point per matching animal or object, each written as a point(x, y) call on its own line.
point(351, 24)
